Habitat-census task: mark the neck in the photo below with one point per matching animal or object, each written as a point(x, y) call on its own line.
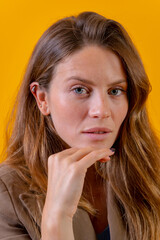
point(94, 183)
point(96, 194)
point(93, 177)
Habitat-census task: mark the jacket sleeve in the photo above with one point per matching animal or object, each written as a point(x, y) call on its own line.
point(10, 226)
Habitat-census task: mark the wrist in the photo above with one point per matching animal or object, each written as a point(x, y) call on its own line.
point(57, 229)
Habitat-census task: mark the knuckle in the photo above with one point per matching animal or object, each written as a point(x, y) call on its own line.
point(78, 170)
point(53, 159)
point(50, 160)
point(74, 169)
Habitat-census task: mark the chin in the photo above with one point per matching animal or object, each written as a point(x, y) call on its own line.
point(94, 145)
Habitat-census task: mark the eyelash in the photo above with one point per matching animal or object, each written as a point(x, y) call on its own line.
point(122, 90)
point(79, 87)
point(74, 89)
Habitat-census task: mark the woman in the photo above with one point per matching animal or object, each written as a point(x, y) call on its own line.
point(82, 160)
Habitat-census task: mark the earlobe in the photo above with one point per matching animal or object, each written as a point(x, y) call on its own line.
point(41, 97)
point(44, 109)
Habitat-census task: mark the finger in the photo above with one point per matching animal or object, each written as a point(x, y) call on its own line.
point(75, 154)
point(94, 156)
point(67, 152)
point(70, 155)
point(80, 153)
point(104, 160)
point(61, 155)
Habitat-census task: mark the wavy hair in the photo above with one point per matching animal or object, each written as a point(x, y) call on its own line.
point(134, 172)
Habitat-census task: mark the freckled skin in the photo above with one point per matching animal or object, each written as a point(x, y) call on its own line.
point(76, 106)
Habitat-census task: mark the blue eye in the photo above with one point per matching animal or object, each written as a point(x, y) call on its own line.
point(80, 90)
point(116, 91)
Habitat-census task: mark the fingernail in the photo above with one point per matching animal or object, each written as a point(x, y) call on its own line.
point(113, 149)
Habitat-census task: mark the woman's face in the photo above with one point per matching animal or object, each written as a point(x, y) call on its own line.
point(87, 98)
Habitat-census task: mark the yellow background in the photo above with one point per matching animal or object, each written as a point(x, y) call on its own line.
point(23, 21)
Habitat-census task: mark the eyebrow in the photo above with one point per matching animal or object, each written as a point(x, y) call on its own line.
point(93, 84)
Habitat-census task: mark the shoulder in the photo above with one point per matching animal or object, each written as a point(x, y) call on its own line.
point(15, 218)
point(10, 181)
point(5, 170)
point(6, 207)
point(8, 173)
point(11, 186)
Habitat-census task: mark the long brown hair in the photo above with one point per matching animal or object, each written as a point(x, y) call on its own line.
point(134, 170)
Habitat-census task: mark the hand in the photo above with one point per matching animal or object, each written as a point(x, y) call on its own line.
point(66, 173)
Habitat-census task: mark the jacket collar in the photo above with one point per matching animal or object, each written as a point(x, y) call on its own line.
point(34, 205)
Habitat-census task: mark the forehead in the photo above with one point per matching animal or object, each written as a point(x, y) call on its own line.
point(94, 61)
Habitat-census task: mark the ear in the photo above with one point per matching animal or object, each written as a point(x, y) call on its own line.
point(41, 98)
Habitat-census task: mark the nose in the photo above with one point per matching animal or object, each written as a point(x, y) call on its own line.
point(100, 107)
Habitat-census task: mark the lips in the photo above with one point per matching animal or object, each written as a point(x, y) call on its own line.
point(97, 130)
point(97, 133)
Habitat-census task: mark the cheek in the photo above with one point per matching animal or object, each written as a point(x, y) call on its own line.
point(67, 112)
point(121, 114)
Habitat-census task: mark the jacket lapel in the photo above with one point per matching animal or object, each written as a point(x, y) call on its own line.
point(116, 225)
point(34, 204)
point(82, 226)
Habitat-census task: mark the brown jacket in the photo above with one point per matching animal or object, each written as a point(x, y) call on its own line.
point(20, 216)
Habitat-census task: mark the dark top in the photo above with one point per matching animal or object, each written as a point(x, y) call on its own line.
point(104, 235)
